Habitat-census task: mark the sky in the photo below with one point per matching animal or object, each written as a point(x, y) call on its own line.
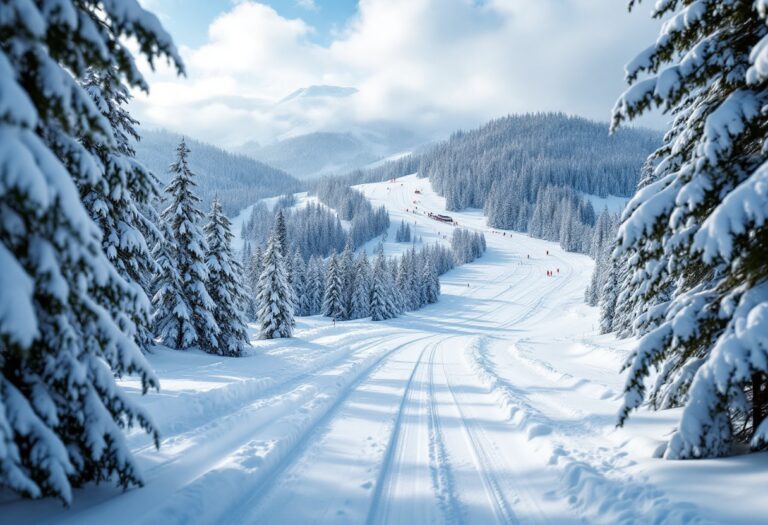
point(418, 67)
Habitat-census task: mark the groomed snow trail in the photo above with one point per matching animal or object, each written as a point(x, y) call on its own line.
point(495, 406)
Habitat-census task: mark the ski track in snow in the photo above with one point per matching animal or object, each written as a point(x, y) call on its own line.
point(495, 406)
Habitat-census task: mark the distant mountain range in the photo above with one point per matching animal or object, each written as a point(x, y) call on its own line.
point(329, 153)
point(308, 152)
point(238, 180)
point(319, 91)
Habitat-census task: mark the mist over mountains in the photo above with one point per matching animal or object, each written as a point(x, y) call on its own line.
point(322, 153)
point(238, 180)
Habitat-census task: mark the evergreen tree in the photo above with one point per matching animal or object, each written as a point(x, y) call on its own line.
point(347, 272)
point(224, 284)
point(253, 275)
point(300, 285)
point(314, 286)
point(333, 302)
point(382, 306)
point(246, 256)
point(62, 333)
point(608, 299)
point(601, 247)
point(118, 201)
point(184, 315)
point(431, 282)
point(695, 233)
point(403, 233)
point(402, 294)
point(276, 301)
point(282, 232)
point(361, 294)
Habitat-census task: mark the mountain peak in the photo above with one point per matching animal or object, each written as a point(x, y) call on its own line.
point(317, 91)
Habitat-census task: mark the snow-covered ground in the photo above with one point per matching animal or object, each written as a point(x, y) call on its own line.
point(612, 203)
point(302, 200)
point(496, 405)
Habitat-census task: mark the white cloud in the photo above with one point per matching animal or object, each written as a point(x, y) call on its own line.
point(425, 65)
point(309, 5)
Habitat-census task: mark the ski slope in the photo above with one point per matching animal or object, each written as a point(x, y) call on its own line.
point(495, 406)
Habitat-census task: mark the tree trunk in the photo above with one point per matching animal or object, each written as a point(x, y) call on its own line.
point(758, 400)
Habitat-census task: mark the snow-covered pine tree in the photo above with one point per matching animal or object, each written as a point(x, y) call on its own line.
point(698, 228)
point(120, 198)
point(382, 290)
point(403, 233)
point(62, 415)
point(333, 301)
point(403, 293)
point(184, 316)
point(276, 301)
point(608, 298)
point(431, 282)
point(629, 304)
point(318, 295)
point(253, 276)
point(418, 284)
point(167, 286)
point(300, 284)
point(347, 272)
point(245, 256)
point(282, 232)
point(288, 262)
point(399, 297)
point(225, 284)
point(414, 278)
point(361, 293)
point(314, 287)
point(601, 247)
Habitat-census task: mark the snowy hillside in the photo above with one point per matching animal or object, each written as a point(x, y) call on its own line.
point(496, 405)
point(612, 203)
point(543, 319)
point(238, 180)
point(311, 155)
point(302, 199)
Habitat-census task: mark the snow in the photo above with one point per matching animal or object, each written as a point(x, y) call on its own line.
point(17, 313)
point(389, 158)
point(613, 203)
point(302, 200)
point(745, 205)
point(496, 405)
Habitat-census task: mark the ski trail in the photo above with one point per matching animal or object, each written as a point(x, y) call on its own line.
point(591, 480)
point(220, 403)
point(391, 502)
point(484, 462)
point(442, 476)
point(493, 406)
point(254, 440)
point(250, 509)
